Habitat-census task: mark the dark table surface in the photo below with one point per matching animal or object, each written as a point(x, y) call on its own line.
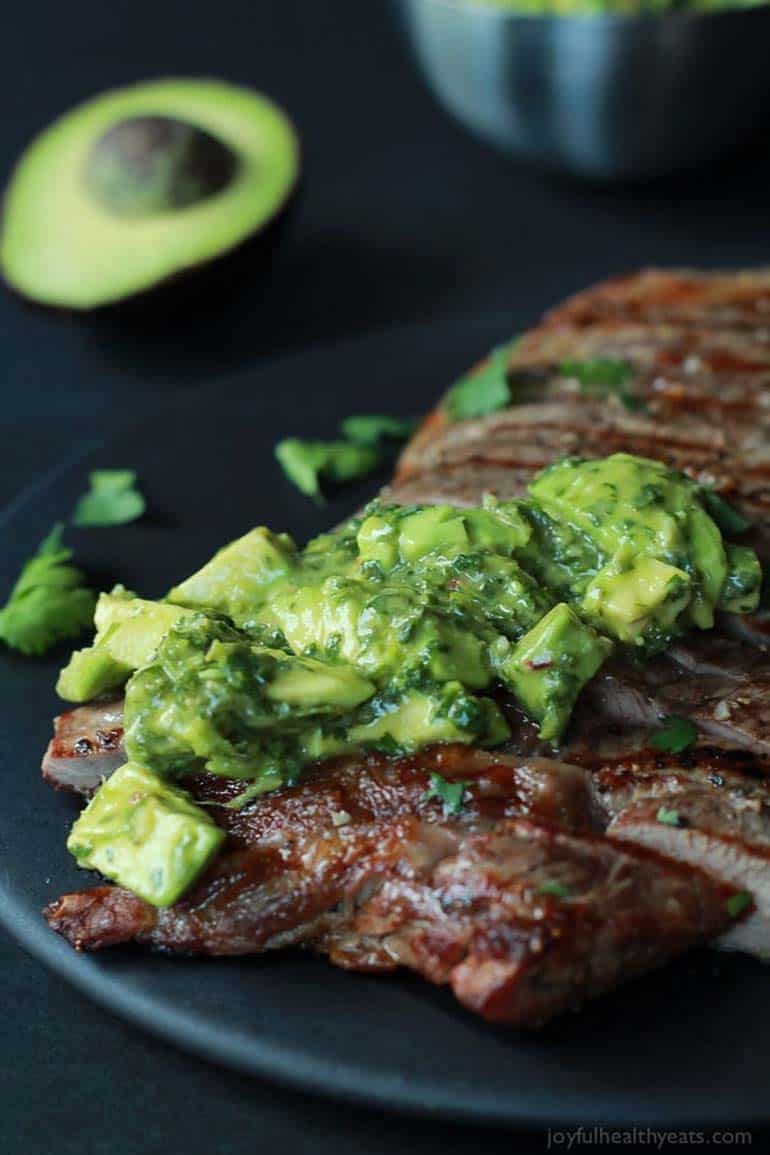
point(403, 219)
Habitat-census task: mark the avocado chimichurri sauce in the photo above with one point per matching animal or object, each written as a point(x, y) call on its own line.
point(389, 634)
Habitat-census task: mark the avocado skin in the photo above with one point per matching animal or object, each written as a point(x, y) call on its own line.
point(197, 284)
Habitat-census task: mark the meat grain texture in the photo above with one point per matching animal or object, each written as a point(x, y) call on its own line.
point(557, 879)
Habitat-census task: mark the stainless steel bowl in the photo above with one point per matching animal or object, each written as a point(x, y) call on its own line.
point(604, 96)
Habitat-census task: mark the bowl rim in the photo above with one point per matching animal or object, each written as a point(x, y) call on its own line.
point(498, 12)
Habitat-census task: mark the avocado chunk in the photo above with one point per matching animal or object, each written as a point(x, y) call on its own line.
point(436, 529)
point(380, 631)
point(377, 541)
point(442, 531)
point(90, 672)
point(628, 509)
point(708, 557)
point(234, 581)
point(129, 631)
point(743, 585)
point(626, 602)
point(143, 184)
point(144, 834)
point(305, 682)
point(548, 668)
point(421, 719)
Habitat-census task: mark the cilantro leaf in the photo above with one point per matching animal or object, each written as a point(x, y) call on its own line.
point(307, 463)
point(725, 515)
point(450, 793)
point(668, 817)
point(601, 373)
point(483, 390)
point(557, 889)
point(113, 499)
point(48, 602)
point(603, 377)
point(737, 903)
point(371, 428)
point(675, 736)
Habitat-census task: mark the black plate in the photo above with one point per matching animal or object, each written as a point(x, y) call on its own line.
point(689, 1045)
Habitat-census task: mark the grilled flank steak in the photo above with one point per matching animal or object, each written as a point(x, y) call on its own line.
point(547, 877)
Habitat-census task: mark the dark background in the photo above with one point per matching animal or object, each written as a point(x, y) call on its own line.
point(402, 219)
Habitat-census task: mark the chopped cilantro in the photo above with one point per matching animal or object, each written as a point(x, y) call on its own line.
point(725, 515)
point(307, 463)
point(633, 403)
point(602, 373)
point(483, 390)
point(48, 602)
point(603, 376)
point(668, 817)
point(371, 428)
point(450, 793)
point(557, 889)
point(113, 499)
point(675, 736)
point(739, 902)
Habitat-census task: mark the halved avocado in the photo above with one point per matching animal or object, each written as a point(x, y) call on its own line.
point(142, 184)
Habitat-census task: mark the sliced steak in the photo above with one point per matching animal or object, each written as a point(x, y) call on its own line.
point(724, 705)
point(526, 921)
point(557, 879)
point(519, 916)
point(700, 811)
point(86, 747)
point(730, 300)
point(695, 355)
point(734, 458)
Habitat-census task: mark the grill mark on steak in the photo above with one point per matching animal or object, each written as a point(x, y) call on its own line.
point(513, 440)
point(735, 300)
point(650, 348)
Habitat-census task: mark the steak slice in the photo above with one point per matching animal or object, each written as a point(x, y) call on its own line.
point(721, 300)
point(699, 810)
point(675, 371)
point(86, 747)
point(516, 903)
point(725, 705)
point(526, 921)
point(733, 457)
point(700, 356)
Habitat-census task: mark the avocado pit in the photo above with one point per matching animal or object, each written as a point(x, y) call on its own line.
point(146, 165)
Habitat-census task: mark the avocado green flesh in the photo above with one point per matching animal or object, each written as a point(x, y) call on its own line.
point(61, 247)
point(548, 668)
point(393, 632)
point(215, 698)
point(233, 581)
point(145, 835)
point(662, 561)
point(128, 632)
